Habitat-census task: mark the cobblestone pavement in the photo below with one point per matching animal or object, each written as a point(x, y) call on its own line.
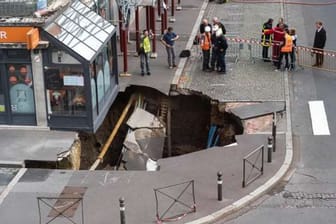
point(245, 80)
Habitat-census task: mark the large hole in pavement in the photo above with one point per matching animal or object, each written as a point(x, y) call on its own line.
point(191, 118)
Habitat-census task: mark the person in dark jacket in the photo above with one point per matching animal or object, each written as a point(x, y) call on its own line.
point(204, 24)
point(214, 51)
point(319, 43)
point(220, 25)
point(281, 21)
point(266, 39)
point(221, 45)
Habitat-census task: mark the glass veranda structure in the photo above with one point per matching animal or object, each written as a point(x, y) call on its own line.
point(80, 69)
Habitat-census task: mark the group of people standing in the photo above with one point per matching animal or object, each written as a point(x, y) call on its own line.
point(214, 45)
point(168, 40)
point(283, 41)
point(211, 39)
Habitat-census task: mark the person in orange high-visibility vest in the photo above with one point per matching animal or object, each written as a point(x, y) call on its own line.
point(285, 49)
point(205, 43)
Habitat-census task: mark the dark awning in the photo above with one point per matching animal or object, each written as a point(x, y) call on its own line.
point(81, 29)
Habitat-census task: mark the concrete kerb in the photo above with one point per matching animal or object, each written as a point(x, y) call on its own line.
point(189, 45)
point(11, 164)
point(272, 181)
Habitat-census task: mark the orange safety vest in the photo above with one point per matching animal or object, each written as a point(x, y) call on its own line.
point(206, 41)
point(288, 44)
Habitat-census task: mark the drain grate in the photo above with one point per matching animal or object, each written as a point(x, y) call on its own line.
point(305, 196)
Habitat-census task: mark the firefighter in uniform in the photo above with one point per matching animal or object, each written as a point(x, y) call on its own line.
point(266, 39)
point(286, 49)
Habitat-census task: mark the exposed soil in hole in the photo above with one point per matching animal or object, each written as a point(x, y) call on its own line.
point(191, 118)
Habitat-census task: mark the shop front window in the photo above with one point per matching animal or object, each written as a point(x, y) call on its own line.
point(101, 79)
point(65, 90)
point(107, 70)
point(21, 92)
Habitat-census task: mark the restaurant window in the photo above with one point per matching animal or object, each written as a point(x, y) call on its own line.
point(65, 90)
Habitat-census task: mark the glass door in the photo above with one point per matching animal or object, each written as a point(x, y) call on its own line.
point(3, 106)
point(17, 94)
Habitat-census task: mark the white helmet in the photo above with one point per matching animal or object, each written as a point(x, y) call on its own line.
point(207, 29)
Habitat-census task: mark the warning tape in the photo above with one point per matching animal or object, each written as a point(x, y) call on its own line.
point(307, 49)
point(316, 51)
point(249, 41)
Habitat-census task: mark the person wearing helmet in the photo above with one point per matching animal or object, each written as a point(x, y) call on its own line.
point(266, 39)
point(205, 43)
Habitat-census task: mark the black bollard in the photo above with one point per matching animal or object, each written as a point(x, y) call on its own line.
point(219, 186)
point(269, 149)
point(274, 124)
point(122, 210)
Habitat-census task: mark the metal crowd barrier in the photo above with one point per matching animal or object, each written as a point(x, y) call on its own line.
point(306, 57)
point(234, 48)
point(175, 201)
point(255, 47)
point(60, 208)
point(254, 161)
point(232, 52)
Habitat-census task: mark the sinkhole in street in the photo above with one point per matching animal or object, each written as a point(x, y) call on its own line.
point(181, 124)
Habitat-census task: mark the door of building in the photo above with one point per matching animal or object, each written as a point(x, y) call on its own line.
point(17, 106)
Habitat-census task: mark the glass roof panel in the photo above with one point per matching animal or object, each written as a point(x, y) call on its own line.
point(81, 29)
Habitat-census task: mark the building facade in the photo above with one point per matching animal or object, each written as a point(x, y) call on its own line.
point(58, 70)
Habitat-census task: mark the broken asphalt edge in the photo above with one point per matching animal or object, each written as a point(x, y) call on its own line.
point(280, 174)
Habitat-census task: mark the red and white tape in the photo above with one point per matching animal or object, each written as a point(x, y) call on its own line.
point(307, 49)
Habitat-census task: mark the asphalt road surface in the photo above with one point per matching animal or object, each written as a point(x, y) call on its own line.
point(310, 195)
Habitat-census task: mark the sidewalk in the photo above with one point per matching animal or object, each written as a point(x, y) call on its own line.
point(161, 76)
point(245, 81)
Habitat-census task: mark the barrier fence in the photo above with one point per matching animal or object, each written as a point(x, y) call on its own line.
point(178, 200)
point(306, 57)
point(232, 52)
point(234, 48)
point(60, 209)
point(255, 161)
point(256, 48)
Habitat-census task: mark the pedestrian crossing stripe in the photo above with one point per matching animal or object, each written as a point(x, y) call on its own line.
point(318, 118)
